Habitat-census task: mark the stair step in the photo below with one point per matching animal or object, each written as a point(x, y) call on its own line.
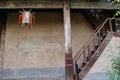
point(115, 34)
point(88, 58)
point(118, 34)
point(92, 52)
point(84, 63)
point(102, 40)
point(117, 24)
point(80, 69)
point(50, 73)
point(97, 76)
point(103, 36)
point(37, 78)
point(96, 47)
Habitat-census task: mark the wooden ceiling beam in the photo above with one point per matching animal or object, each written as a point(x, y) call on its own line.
point(36, 5)
point(54, 5)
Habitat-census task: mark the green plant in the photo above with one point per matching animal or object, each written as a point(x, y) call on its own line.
point(114, 74)
point(115, 3)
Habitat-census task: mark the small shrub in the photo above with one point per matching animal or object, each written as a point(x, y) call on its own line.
point(114, 74)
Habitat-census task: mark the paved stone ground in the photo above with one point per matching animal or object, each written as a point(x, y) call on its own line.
point(97, 76)
point(0, 64)
point(36, 79)
point(52, 73)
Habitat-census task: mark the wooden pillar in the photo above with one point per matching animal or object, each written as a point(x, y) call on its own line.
point(68, 43)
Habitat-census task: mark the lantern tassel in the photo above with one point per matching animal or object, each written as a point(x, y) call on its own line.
point(27, 31)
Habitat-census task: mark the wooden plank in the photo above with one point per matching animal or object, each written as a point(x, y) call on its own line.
point(36, 5)
point(68, 43)
point(92, 5)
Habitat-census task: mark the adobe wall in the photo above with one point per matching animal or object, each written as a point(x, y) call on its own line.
point(44, 46)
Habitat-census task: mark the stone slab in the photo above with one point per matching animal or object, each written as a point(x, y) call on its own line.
point(97, 76)
point(51, 73)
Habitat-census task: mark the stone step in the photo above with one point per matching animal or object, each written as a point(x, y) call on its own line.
point(97, 76)
point(47, 78)
point(50, 73)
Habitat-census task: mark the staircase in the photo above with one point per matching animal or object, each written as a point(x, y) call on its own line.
point(90, 52)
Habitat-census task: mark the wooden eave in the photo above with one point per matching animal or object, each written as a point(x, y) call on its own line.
point(55, 5)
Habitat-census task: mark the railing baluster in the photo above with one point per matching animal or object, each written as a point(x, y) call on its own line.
point(103, 30)
point(99, 38)
point(76, 72)
point(84, 54)
point(116, 25)
point(89, 54)
point(94, 42)
point(110, 23)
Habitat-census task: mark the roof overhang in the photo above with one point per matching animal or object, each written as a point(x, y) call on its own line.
point(54, 5)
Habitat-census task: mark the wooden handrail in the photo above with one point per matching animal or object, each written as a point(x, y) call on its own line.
point(79, 53)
